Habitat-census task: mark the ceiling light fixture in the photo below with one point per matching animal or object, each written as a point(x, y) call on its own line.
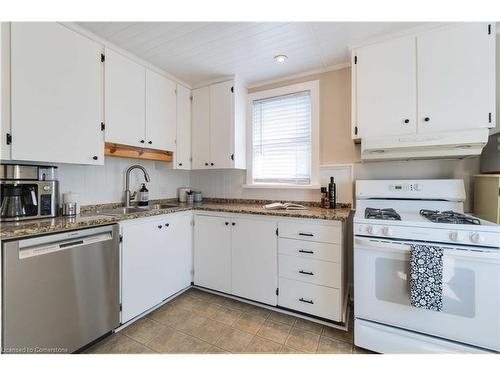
point(280, 59)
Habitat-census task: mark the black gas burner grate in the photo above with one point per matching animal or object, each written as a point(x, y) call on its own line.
point(449, 217)
point(382, 214)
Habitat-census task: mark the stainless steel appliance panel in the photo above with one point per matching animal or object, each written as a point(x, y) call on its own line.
point(60, 292)
point(18, 172)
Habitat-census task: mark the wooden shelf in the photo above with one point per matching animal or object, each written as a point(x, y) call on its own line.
point(123, 151)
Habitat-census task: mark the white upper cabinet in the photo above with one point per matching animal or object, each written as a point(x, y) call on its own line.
point(56, 95)
point(201, 128)
point(124, 100)
point(386, 88)
point(456, 75)
point(218, 126)
point(161, 112)
point(140, 105)
point(221, 124)
point(183, 141)
point(428, 94)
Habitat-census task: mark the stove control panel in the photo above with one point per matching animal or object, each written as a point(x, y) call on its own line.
point(459, 237)
point(405, 187)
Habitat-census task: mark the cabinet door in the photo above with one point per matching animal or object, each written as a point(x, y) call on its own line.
point(201, 128)
point(124, 87)
point(56, 95)
point(212, 253)
point(161, 112)
point(183, 143)
point(254, 260)
point(144, 262)
point(221, 124)
point(456, 78)
point(386, 88)
point(179, 255)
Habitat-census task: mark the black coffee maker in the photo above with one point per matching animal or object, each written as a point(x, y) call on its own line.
point(28, 192)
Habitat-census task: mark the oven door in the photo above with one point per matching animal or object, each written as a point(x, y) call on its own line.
point(471, 291)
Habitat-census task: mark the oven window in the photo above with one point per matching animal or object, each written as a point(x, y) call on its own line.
point(392, 285)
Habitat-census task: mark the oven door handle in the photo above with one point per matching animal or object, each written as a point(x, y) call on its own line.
point(489, 256)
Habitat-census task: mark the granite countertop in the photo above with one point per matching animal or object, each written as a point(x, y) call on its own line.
point(90, 216)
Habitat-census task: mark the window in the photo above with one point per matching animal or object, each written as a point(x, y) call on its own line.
point(284, 146)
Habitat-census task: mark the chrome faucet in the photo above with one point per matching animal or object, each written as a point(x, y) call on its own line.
point(129, 197)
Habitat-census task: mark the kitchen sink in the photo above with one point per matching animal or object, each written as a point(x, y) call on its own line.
point(132, 210)
point(160, 206)
point(121, 210)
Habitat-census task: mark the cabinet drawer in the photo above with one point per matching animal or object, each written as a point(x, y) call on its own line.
point(311, 232)
point(311, 299)
point(310, 270)
point(310, 249)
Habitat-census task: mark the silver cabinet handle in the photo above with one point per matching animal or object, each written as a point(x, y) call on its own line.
point(310, 301)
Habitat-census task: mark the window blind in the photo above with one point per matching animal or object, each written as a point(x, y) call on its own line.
point(282, 139)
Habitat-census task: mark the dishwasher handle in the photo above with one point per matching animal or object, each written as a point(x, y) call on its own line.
point(52, 247)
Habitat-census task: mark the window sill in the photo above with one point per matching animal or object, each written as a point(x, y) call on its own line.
point(281, 186)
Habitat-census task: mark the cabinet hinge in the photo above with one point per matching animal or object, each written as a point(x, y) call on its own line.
point(355, 130)
point(103, 58)
point(121, 238)
point(277, 291)
point(489, 29)
point(8, 138)
point(232, 156)
point(103, 126)
point(355, 59)
point(175, 91)
point(191, 97)
point(232, 88)
point(121, 307)
point(489, 117)
point(192, 223)
point(276, 231)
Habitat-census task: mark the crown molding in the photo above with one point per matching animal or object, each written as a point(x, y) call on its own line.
point(306, 73)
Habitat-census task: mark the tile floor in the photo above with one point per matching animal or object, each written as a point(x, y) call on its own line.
point(201, 322)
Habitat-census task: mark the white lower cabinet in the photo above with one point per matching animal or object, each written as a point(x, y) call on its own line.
point(311, 261)
point(254, 259)
point(212, 252)
point(156, 261)
point(236, 255)
point(310, 298)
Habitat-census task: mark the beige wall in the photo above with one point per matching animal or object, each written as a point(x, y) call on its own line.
point(336, 145)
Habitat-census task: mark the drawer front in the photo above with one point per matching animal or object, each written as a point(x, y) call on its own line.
point(309, 249)
point(310, 270)
point(311, 299)
point(311, 232)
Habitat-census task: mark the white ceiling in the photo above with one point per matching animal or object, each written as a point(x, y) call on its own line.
point(198, 52)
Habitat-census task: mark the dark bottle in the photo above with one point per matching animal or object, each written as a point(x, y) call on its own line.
point(332, 193)
point(143, 196)
point(324, 197)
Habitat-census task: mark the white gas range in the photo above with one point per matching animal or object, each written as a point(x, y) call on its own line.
point(391, 216)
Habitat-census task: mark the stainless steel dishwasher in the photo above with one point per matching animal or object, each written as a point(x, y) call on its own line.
point(61, 291)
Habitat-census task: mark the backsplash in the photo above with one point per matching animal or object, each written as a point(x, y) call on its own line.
point(106, 183)
point(229, 183)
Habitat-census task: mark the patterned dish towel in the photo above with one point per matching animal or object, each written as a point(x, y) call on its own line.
point(426, 277)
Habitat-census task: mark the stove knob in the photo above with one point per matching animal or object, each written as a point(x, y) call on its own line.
point(454, 236)
point(387, 231)
point(372, 230)
point(476, 238)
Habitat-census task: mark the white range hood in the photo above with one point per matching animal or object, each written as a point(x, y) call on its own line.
point(425, 146)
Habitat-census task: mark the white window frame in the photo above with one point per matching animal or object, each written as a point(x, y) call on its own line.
point(313, 88)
